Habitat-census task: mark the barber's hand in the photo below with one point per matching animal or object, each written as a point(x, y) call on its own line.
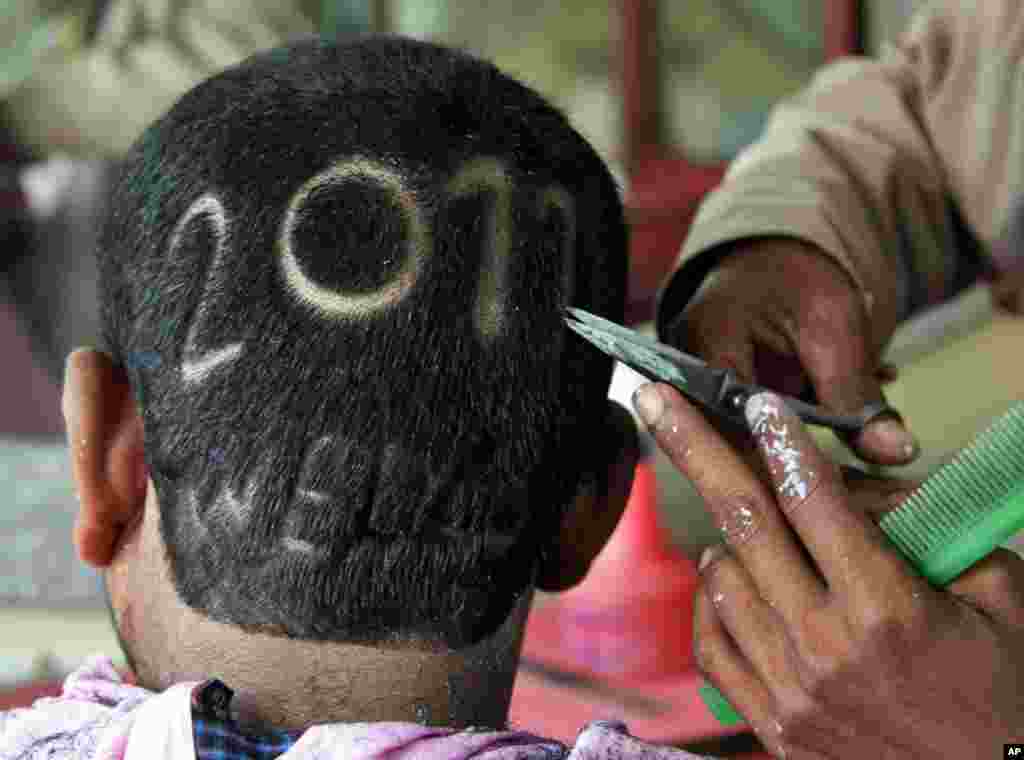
point(782, 314)
point(816, 630)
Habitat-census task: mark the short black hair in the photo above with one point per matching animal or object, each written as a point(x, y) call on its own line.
point(335, 274)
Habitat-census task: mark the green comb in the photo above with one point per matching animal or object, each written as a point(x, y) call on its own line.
point(958, 516)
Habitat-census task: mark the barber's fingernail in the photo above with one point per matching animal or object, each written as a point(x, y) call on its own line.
point(69, 394)
point(895, 437)
point(708, 556)
point(649, 404)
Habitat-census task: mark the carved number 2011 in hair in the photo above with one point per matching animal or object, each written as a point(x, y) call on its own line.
point(477, 176)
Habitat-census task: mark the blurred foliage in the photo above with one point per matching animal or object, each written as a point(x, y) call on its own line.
point(31, 29)
point(343, 18)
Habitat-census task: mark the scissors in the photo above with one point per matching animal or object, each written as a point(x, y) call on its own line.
point(717, 390)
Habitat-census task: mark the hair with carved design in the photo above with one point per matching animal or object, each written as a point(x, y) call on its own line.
point(366, 417)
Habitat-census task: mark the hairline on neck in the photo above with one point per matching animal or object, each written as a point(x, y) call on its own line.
point(326, 675)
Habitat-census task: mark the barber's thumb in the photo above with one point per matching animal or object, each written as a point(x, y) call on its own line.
point(846, 380)
point(887, 440)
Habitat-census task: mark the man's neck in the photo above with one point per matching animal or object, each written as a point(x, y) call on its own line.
point(342, 683)
point(292, 683)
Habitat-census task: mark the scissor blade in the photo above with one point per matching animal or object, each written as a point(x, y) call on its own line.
point(654, 360)
point(715, 388)
point(612, 328)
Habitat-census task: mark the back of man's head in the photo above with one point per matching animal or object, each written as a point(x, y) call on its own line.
point(335, 274)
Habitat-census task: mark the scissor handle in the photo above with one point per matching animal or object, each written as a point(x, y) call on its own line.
point(735, 396)
point(845, 423)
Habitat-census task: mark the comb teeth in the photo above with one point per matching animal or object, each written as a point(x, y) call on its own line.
point(958, 515)
point(963, 494)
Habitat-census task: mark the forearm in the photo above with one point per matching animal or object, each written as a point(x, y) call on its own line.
point(868, 165)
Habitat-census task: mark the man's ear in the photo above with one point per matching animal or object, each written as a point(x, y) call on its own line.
point(106, 444)
point(592, 517)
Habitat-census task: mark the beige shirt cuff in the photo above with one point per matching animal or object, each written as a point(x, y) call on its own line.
point(779, 207)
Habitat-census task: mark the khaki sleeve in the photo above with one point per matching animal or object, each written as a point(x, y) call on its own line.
point(901, 168)
point(94, 101)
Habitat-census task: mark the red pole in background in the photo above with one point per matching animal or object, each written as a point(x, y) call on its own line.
point(640, 81)
point(843, 28)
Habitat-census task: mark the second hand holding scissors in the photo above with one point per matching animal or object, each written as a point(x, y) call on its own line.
point(717, 390)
